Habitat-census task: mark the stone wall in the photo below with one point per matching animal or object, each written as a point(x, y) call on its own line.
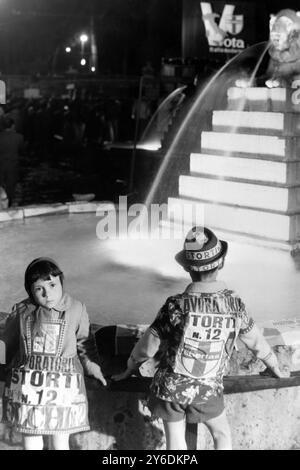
point(268, 417)
point(260, 420)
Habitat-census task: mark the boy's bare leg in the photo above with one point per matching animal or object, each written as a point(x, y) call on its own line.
point(60, 442)
point(220, 431)
point(175, 435)
point(33, 442)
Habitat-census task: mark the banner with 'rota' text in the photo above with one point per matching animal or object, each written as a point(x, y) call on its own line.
point(217, 28)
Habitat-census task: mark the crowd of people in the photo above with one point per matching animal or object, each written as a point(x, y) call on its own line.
point(76, 128)
point(75, 121)
point(55, 130)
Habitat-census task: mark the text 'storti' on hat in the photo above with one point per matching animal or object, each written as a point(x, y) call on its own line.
point(202, 250)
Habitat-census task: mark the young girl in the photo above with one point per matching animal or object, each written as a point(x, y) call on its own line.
point(49, 345)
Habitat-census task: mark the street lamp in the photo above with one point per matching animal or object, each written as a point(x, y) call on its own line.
point(68, 49)
point(83, 38)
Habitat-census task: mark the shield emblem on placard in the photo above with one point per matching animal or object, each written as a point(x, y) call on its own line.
point(234, 24)
point(199, 360)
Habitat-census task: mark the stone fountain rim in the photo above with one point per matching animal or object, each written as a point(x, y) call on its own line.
point(73, 207)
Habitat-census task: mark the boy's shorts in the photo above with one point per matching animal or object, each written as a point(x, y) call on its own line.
point(194, 413)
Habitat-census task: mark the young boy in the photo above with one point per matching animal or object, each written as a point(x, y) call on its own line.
point(194, 335)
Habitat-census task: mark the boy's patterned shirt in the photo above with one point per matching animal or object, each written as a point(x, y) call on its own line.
point(198, 332)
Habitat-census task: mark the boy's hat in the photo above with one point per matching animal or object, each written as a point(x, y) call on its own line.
point(202, 251)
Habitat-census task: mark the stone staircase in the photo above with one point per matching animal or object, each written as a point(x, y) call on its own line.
point(246, 179)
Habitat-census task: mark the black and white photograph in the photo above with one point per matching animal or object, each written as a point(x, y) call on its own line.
point(149, 227)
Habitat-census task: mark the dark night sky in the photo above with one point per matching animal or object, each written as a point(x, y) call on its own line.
point(128, 31)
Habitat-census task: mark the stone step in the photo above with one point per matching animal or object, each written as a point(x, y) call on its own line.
point(263, 99)
point(279, 229)
point(244, 194)
point(256, 122)
point(265, 145)
point(286, 173)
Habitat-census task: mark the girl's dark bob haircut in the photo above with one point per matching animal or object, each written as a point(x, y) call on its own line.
point(41, 268)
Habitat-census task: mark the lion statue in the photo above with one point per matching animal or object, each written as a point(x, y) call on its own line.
point(284, 50)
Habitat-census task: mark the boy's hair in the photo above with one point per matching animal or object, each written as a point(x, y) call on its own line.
point(41, 268)
point(199, 276)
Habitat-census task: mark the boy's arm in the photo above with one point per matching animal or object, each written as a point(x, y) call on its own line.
point(255, 341)
point(164, 325)
point(145, 348)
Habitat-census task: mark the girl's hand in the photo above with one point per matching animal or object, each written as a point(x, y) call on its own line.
point(97, 373)
point(100, 377)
